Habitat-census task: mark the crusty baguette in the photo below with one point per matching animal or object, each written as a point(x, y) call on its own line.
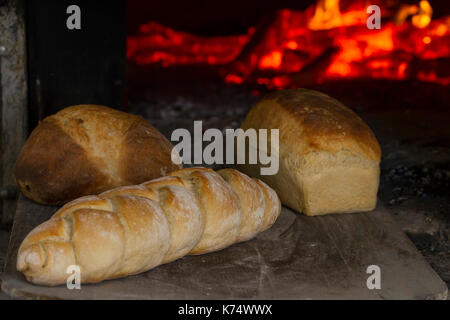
point(89, 149)
point(328, 157)
point(132, 229)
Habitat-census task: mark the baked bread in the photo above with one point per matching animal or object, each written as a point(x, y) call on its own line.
point(88, 149)
point(328, 157)
point(132, 229)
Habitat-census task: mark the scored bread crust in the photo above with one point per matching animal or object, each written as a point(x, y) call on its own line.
point(329, 158)
point(87, 149)
point(128, 230)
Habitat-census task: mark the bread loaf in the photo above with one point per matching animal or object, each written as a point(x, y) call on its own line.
point(328, 157)
point(132, 229)
point(88, 149)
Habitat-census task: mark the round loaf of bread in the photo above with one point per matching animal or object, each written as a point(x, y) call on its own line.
point(88, 149)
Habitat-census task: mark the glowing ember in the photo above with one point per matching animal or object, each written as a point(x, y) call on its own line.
point(232, 78)
point(421, 14)
point(271, 60)
point(314, 45)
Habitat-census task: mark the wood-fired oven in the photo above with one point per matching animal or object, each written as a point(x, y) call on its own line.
point(174, 62)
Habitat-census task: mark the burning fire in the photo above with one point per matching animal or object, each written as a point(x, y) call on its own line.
point(314, 45)
point(421, 14)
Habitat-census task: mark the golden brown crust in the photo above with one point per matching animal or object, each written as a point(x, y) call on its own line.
point(145, 154)
point(251, 199)
point(164, 181)
point(46, 262)
point(88, 149)
point(50, 177)
point(221, 205)
point(185, 218)
point(324, 124)
point(101, 227)
point(272, 208)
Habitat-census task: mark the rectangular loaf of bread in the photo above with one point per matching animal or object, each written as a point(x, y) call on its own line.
point(328, 157)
